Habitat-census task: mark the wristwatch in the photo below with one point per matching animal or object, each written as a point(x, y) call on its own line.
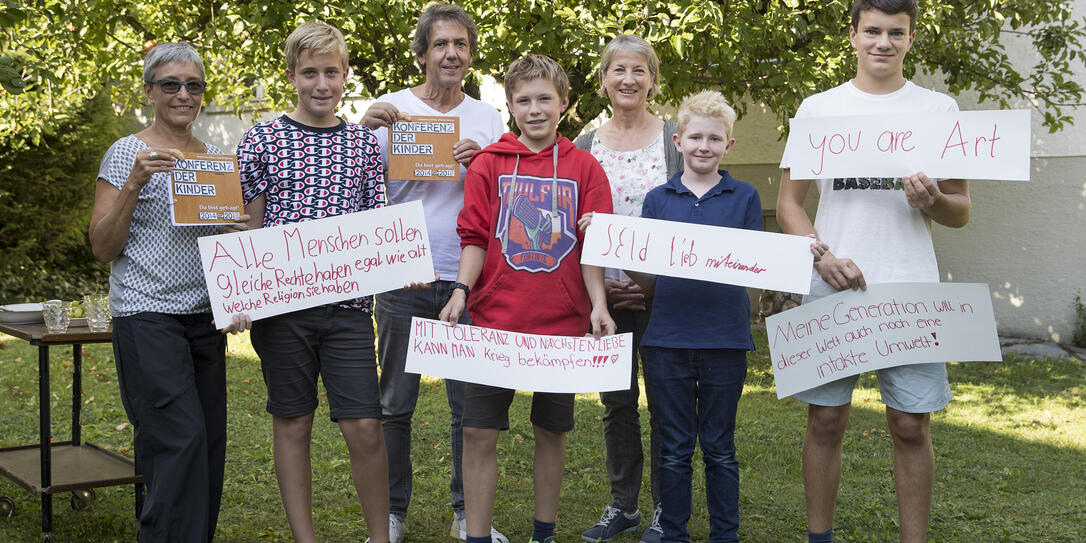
point(461, 286)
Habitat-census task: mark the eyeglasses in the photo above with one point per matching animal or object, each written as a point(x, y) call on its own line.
point(173, 86)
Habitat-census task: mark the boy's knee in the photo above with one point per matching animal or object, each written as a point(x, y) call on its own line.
point(909, 429)
point(480, 437)
point(293, 428)
point(827, 423)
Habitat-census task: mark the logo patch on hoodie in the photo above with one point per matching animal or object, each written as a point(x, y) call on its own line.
point(540, 233)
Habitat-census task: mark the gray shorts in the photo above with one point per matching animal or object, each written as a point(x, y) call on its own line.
point(333, 342)
point(916, 388)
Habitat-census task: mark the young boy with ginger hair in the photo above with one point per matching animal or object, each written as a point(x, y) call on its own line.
point(334, 341)
point(520, 256)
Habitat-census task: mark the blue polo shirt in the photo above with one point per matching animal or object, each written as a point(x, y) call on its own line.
point(693, 314)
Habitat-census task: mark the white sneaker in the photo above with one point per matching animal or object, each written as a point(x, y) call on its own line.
point(396, 529)
point(459, 530)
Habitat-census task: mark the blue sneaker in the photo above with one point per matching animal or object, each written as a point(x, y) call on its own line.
point(654, 532)
point(612, 523)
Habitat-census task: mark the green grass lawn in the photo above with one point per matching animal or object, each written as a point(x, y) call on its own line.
point(1010, 459)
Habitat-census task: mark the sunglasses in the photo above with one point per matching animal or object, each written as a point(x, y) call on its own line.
point(173, 86)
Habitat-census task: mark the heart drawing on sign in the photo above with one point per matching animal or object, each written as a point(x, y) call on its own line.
point(614, 358)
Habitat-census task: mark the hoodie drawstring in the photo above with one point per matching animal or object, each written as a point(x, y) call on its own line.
point(511, 194)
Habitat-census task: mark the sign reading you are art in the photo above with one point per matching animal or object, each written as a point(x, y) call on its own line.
point(270, 271)
point(950, 145)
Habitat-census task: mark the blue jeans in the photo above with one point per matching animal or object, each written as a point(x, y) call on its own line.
point(400, 391)
point(694, 394)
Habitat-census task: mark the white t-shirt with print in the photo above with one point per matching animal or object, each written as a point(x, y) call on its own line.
point(869, 220)
point(441, 200)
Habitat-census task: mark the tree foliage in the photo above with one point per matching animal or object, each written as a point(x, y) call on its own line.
point(774, 52)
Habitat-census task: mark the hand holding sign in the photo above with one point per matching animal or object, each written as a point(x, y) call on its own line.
point(150, 162)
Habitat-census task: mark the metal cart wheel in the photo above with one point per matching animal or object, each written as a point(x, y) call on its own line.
point(7, 507)
point(81, 499)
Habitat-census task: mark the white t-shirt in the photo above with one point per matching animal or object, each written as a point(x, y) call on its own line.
point(441, 200)
point(869, 220)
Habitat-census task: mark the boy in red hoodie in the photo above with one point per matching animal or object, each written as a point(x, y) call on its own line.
point(520, 253)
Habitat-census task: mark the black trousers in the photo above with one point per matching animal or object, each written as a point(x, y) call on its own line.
point(172, 374)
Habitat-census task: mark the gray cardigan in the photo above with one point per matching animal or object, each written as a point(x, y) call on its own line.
point(672, 156)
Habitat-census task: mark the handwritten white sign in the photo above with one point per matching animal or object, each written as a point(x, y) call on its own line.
point(952, 145)
point(735, 256)
point(519, 361)
point(891, 324)
point(270, 271)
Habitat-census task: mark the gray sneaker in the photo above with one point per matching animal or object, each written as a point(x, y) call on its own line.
point(612, 522)
point(397, 527)
point(654, 532)
point(459, 530)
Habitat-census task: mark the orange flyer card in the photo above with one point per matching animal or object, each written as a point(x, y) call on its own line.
point(422, 149)
point(206, 189)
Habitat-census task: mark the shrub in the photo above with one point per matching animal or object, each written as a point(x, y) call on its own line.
point(1078, 339)
point(46, 195)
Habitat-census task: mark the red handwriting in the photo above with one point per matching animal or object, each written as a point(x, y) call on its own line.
point(888, 348)
point(890, 141)
point(727, 262)
point(395, 233)
point(842, 142)
point(841, 362)
point(255, 262)
point(618, 241)
point(960, 141)
point(686, 255)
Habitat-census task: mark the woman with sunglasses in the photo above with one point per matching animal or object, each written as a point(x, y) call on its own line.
point(170, 357)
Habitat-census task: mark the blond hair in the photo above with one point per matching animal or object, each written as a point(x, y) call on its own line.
point(317, 38)
point(708, 104)
point(634, 44)
point(531, 67)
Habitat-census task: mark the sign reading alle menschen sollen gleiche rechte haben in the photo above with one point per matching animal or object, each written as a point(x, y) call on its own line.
point(205, 189)
point(533, 362)
point(890, 324)
point(748, 258)
point(422, 149)
point(275, 270)
point(947, 145)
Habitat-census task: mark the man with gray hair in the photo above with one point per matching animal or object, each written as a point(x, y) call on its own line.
point(445, 43)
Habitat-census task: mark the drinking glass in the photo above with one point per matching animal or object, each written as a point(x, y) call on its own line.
point(56, 314)
point(98, 316)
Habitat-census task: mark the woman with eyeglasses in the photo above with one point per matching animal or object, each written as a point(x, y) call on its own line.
point(170, 357)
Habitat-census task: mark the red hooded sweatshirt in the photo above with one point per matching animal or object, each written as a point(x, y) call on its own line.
point(531, 280)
